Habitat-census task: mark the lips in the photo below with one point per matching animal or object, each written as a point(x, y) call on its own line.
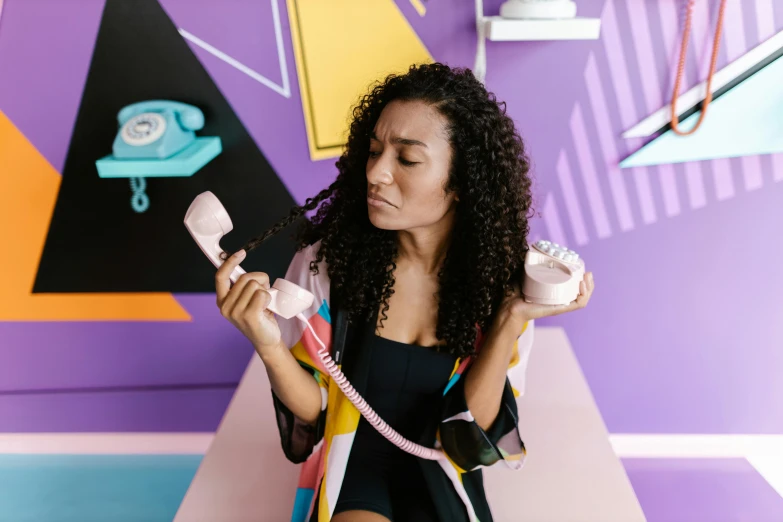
point(377, 197)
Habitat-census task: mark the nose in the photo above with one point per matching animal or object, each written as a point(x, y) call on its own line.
point(378, 171)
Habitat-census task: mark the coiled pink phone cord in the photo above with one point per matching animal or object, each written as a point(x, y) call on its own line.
point(365, 409)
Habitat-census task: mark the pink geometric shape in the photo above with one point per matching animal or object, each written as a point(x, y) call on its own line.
point(736, 46)
point(589, 176)
point(606, 138)
point(640, 29)
point(551, 216)
point(724, 185)
point(765, 19)
point(573, 207)
point(694, 178)
point(614, 48)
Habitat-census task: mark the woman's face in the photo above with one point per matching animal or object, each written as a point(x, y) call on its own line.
point(408, 167)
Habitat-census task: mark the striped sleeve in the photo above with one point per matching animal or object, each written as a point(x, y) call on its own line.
point(467, 445)
point(297, 437)
point(517, 368)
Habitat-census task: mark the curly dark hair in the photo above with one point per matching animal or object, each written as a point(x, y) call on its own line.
point(489, 171)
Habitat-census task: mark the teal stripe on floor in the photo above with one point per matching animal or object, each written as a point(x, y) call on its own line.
point(94, 488)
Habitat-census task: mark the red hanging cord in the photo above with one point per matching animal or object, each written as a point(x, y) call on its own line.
point(681, 66)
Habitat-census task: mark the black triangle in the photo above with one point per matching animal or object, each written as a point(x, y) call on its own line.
point(96, 241)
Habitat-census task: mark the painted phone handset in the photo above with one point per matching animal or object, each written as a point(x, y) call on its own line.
point(207, 221)
point(552, 274)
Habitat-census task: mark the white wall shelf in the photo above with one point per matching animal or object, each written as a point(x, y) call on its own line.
point(507, 30)
point(499, 29)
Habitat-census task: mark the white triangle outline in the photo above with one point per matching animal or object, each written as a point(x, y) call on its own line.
point(285, 89)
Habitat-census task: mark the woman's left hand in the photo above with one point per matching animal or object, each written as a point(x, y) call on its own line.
point(515, 307)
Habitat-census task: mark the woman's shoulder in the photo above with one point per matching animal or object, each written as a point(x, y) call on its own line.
point(299, 270)
point(307, 254)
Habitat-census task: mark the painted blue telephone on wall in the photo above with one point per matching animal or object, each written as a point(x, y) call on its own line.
point(157, 138)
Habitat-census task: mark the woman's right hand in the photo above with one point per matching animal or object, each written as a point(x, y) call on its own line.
point(245, 304)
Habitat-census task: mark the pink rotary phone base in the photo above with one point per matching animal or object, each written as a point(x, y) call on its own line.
point(552, 274)
point(207, 221)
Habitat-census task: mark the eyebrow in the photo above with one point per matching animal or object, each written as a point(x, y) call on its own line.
point(402, 141)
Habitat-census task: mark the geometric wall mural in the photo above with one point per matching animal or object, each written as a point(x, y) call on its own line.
point(284, 87)
point(598, 198)
point(746, 120)
point(167, 375)
point(341, 47)
point(742, 63)
point(28, 191)
point(96, 241)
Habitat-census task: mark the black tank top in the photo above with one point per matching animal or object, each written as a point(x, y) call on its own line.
point(404, 387)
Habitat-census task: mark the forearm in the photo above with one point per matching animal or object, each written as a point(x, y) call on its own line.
point(486, 379)
point(292, 384)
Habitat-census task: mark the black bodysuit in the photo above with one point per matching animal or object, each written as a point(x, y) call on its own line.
point(404, 387)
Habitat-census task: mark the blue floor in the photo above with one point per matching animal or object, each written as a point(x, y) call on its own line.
point(93, 488)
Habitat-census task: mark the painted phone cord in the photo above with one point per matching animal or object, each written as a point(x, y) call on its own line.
point(681, 67)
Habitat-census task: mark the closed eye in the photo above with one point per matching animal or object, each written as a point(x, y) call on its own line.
point(403, 161)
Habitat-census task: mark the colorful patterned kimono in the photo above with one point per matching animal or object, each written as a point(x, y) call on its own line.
point(456, 484)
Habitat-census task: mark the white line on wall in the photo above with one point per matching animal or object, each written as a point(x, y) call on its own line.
point(763, 452)
point(283, 90)
point(106, 443)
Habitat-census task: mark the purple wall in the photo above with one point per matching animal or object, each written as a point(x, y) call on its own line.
point(680, 337)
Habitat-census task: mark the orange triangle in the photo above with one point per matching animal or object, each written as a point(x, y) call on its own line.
point(28, 192)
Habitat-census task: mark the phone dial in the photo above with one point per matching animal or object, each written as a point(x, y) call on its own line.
point(157, 138)
point(207, 221)
point(552, 274)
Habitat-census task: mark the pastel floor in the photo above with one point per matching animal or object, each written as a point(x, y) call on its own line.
point(93, 488)
point(572, 473)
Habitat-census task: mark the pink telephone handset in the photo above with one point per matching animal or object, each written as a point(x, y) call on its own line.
point(207, 221)
point(552, 274)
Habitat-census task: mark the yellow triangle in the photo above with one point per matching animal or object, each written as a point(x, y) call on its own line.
point(28, 192)
point(342, 47)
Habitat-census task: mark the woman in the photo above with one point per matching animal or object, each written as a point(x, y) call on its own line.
point(415, 256)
